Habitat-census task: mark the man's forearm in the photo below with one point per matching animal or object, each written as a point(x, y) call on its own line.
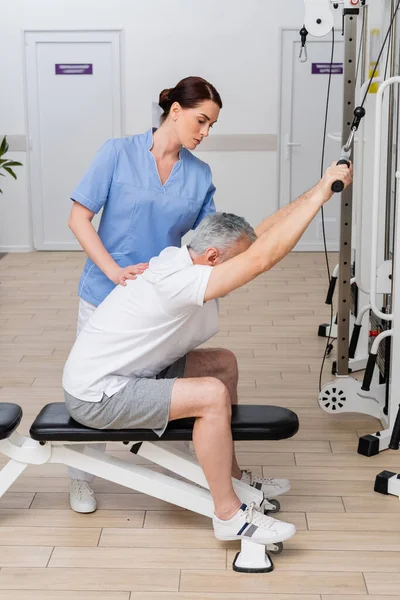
point(284, 212)
point(275, 243)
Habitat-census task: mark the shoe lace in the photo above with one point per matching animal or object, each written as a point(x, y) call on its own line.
point(82, 488)
point(254, 516)
point(269, 480)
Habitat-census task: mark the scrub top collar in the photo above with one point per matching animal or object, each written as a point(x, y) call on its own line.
point(150, 141)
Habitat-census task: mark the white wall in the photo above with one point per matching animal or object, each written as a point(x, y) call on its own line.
point(233, 43)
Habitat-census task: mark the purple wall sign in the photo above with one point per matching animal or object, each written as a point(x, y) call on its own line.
point(326, 68)
point(74, 69)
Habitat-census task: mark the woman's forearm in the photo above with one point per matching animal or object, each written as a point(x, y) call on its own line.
point(90, 241)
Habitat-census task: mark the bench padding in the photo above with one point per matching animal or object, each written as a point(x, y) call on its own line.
point(53, 423)
point(10, 417)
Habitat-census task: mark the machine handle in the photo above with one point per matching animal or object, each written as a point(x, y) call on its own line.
point(331, 290)
point(354, 340)
point(369, 371)
point(337, 186)
point(395, 438)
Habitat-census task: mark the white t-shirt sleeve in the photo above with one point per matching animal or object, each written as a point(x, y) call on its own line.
point(183, 290)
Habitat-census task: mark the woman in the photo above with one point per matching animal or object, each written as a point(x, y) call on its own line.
point(153, 190)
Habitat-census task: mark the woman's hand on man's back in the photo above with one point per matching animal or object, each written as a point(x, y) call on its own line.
point(122, 274)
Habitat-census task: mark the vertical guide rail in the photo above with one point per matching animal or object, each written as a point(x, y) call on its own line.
point(391, 162)
point(350, 43)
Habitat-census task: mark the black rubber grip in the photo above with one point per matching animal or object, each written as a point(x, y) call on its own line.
point(338, 186)
point(354, 340)
point(369, 371)
point(395, 438)
point(331, 290)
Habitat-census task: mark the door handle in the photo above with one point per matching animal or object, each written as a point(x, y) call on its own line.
point(289, 145)
point(336, 137)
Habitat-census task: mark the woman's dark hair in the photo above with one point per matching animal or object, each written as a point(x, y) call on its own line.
point(189, 92)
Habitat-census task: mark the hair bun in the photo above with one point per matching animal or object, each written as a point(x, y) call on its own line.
point(165, 99)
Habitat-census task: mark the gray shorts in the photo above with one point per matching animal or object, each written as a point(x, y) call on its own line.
point(142, 404)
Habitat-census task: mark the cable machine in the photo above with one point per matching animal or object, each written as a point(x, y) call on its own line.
point(367, 277)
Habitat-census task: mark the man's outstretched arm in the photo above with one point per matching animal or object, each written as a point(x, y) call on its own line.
point(283, 212)
point(277, 241)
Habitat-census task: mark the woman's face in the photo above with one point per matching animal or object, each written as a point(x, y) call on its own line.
point(193, 124)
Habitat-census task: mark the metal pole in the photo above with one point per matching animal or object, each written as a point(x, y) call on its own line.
point(364, 33)
point(350, 39)
point(391, 150)
point(391, 158)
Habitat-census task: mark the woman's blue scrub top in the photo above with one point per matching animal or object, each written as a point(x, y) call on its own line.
point(140, 216)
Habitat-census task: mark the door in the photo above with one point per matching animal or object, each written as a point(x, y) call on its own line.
point(303, 101)
point(73, 105)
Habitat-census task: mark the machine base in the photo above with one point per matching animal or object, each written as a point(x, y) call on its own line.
point(368, 445)
point(252, 559)
point(387, 482)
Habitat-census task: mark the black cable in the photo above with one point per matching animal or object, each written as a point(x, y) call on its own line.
point(328, 92)
point(381, 51)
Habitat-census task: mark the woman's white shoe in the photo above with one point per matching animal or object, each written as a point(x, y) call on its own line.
point(81, 496)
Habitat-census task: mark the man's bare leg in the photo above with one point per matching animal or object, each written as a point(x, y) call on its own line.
point(221, 364)
point(208, 399)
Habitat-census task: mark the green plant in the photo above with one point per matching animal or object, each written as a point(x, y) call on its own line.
point(5, 163)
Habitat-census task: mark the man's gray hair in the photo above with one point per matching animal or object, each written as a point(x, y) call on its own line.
point(220, 230)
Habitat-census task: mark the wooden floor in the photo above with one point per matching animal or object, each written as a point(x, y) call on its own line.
point(347, 545)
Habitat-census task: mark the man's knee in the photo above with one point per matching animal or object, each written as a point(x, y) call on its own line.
point(217, 397)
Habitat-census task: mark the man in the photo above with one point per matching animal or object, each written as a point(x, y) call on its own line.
point(134, 365)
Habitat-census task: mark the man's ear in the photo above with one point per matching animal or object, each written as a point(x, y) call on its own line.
point(212, 256)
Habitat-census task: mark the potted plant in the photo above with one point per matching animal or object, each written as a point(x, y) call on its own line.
point(6, 164)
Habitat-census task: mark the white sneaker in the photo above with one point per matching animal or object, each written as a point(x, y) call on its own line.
point(269, 487)
point(254, 526)
point(81, 496)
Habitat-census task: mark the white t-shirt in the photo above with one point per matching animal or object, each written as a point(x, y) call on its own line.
point(143, 327)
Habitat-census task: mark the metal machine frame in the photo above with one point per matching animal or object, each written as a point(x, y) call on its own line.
point(377, 225)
